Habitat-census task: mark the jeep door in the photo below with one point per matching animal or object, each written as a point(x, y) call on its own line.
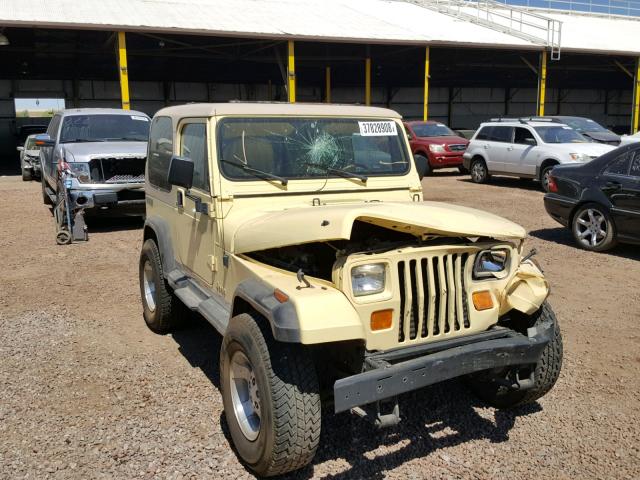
point(521, 155)
point(195, 220)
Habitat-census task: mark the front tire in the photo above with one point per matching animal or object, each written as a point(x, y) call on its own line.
point(428, 171)
point(592, 228)
point(271, 397)
point(479, 171)
point(545, 372)
point(163, 312)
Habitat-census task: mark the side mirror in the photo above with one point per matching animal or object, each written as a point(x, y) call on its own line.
point(530, 141)
point(421, 165)
point(45, 140)
point(181, 172)
point(20, 149)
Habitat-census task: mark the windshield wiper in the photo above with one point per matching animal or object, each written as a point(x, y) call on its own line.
point(257, 173)
point(83, 140)
point(339, 172)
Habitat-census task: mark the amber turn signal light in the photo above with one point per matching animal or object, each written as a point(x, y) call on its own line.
point(381, 320)
point(482, 300)
point(280, 295)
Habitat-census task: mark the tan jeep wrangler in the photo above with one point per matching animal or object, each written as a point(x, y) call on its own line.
point(300, 233)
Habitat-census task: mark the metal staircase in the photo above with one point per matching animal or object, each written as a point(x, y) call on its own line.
point(504, 18)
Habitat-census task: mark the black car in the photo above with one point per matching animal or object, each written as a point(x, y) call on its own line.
point(600, 200)
point(589, 128)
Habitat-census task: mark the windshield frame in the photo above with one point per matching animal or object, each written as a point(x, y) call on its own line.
point(69, 118)
point(404, 149)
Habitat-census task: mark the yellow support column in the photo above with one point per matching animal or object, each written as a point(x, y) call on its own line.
point(327, 85)
point(635, 123)
point(542, 82)
point(291, 73)
point(123, 71)
point(367, 81)
point(425, 106)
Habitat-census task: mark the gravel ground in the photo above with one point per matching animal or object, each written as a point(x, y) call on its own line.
point(86, 391)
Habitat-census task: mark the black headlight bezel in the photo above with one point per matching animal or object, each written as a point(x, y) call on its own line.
point(480, 275)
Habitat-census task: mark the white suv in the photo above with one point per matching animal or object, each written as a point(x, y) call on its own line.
point(526, 149)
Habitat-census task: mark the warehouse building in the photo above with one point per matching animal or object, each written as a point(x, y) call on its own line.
point(456, 61)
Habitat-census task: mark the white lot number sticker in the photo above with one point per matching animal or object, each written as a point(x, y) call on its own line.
point(139, 118)
point(378, 129)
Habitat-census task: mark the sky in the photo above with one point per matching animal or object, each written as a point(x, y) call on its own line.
point(39, 104)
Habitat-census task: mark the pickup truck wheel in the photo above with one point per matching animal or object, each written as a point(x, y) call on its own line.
point(45, 197)
point(479, 171)
point(162, 310)
point(545, 372)
point(271, 397)
point(26, 175)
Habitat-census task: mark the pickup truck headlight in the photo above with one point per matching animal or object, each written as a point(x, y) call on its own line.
point(81, 171)
point(436, 148)
point(368, 279)
point(491, 264)
point(580, 157)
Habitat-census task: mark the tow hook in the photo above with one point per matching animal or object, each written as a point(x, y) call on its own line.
point(374, 412)
point(514, 382)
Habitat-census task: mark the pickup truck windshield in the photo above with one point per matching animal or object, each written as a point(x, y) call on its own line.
point(104, 128)
point(432, 130)
point(560, 134)
point(300, 148)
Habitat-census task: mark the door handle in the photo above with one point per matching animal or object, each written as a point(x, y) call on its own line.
point(510, 147)
point(486, 146)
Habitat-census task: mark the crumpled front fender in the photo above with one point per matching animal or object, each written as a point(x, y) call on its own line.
point(526, 291)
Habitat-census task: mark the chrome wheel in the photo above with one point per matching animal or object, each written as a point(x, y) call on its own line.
point(245, 395)
point(478, 172)
point(591, 227)
point(149, 285)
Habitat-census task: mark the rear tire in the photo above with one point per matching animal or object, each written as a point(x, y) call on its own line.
point(479, 171)
point(592, 228)
point(545, 374)
point(162, 310)
point(271, 397)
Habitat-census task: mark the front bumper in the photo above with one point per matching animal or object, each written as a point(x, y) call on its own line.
point(437, 362)
point(130, 197)
point(445, 160)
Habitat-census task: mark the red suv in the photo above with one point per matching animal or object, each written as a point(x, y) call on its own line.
point(438, 143)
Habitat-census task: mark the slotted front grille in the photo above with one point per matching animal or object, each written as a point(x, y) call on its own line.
point(433, 299)
point(458, 147)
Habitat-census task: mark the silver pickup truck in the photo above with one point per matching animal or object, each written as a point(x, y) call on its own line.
point(105, 149)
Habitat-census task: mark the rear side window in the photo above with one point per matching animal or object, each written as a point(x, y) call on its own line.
point(620, 165)
point(502, 134)
point(160, 152)
point(635, 165)
point(194, 146)
point(484, 133)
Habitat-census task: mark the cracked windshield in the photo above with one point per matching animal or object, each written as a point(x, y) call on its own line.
point(298, 148)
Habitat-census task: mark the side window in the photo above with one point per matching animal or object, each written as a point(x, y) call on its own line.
point(52, 129)
point(501, 134)
point(160, 152)
point(635, 165)
point(620, 165)
point(524, 136)
point(194, 146)
point(484, 133)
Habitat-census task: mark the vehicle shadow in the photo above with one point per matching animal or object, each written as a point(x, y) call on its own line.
point(563, 236)
point(433, 418)
point(510, 182)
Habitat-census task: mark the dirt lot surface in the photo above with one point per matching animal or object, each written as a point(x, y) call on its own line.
point(87, 391)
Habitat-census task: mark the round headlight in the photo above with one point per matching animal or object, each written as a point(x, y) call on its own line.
point(491, 263)
point(368, 279)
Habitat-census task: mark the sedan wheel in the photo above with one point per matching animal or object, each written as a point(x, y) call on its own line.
point(593, 229)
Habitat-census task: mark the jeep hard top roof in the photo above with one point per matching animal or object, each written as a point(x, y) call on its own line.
point(99, 111)
point(274, 108)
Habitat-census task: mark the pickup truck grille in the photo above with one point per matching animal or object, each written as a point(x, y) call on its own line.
point(433, 299)
point(457, 147)
point(117, 170)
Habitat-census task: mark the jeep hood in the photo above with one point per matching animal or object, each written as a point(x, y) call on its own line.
point(84, 152)
point(334, 222)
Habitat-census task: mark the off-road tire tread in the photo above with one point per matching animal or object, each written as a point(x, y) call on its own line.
point(170, 309)
point(295, 396)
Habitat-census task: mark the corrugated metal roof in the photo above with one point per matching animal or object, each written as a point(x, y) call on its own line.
point(371, 21)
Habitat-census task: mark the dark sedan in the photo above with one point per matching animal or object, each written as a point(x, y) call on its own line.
point(600, 200)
